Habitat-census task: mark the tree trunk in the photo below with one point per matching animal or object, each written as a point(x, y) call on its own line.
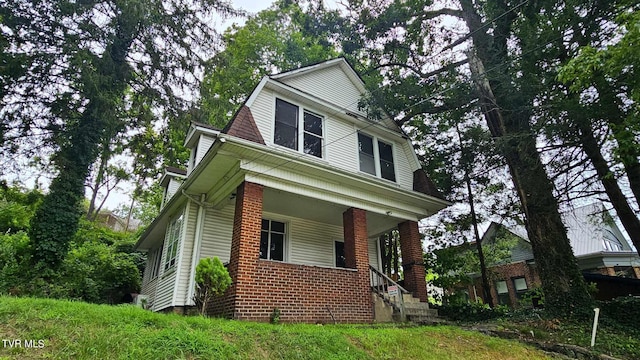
point(104, 158)
point(628, 148)
point(508, 120)
point(486, 286)
point(56, 220)
point(618, 200)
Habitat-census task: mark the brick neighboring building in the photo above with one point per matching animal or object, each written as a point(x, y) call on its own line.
point(602, 252)
point(292, 194)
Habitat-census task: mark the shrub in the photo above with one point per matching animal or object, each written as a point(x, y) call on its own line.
point(622, 312)
point(212, 279)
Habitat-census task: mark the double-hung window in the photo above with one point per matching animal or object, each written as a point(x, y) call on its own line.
point(272, 240)
point(173, 237)
point(155, 256)
point(376, 157)
point(520, 285)
point(298, 129)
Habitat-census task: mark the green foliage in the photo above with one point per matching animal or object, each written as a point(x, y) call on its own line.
point(212, 279)
point(623, 312)
point(100, 267)
point(280, 38)
point(17, 206)
point(454, 265)
point(86, 79)
point(533, 296)
point(56, 220)
point(274, 318)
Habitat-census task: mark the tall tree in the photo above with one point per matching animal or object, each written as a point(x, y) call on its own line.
point(89, 56)
point(507, 47)
point(282, 37)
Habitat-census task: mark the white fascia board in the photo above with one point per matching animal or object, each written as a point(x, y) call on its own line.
point(333, 110)
point(194, 131)
point(178, 198)
point(256, 91)
point(272, 165)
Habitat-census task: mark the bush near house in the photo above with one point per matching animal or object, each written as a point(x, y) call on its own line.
point(100, 267)
point(212, 279)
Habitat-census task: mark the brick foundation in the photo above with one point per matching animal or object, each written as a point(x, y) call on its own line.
point(412, 260)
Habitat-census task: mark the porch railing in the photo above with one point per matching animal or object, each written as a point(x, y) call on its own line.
point(388, 290)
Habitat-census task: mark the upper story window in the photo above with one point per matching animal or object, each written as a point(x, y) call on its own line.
point(173, 237)
point(297, 129)
point(376, 157)
point(272, 240)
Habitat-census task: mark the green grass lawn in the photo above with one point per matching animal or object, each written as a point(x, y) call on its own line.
point(75, 330)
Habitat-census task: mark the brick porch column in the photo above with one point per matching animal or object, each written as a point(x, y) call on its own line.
point(245, 246)
point(356, 254)
point(412, 260)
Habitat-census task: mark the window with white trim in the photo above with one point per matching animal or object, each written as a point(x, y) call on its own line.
point(520, 285)
point(503, 292)
point(173, 237)
point(155, 257)
point(288, 132)
point(272, 238)
point(376, 157)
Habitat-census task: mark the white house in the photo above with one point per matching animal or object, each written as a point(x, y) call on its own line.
point(292, 194)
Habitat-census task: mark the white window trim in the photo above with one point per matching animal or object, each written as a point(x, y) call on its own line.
point(285, 239)
point(301, 111)
point(169, 242)
point(155, 262)
point(376, 156)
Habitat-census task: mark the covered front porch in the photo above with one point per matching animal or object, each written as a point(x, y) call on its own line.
point(309, 258)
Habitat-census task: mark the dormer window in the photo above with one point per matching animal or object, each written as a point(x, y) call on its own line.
point(376, 157)
point(288, 130)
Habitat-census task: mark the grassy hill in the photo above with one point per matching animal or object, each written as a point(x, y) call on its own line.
point(75, 330)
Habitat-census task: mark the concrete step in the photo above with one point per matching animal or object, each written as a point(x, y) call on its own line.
point(408, 298)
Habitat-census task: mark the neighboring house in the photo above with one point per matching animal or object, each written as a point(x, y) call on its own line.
point(116, 223)
point(292, 195)
point(602, 252)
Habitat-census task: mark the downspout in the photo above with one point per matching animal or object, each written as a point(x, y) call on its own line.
point(195, 253)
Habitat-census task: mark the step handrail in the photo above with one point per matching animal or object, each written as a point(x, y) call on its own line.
point(380, 286)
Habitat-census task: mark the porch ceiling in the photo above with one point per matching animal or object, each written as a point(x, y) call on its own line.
point(293, 205)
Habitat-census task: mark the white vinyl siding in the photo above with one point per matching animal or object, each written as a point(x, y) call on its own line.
point(373, 253)
point(263, 112)
point(191, 215)
point(172, 187)
point(404, 158)
point(217, 232)
point(340, 139)
point(204, 144)
point(330, 84)
point(149, 288)
point(164, 291)
point(309, 242)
